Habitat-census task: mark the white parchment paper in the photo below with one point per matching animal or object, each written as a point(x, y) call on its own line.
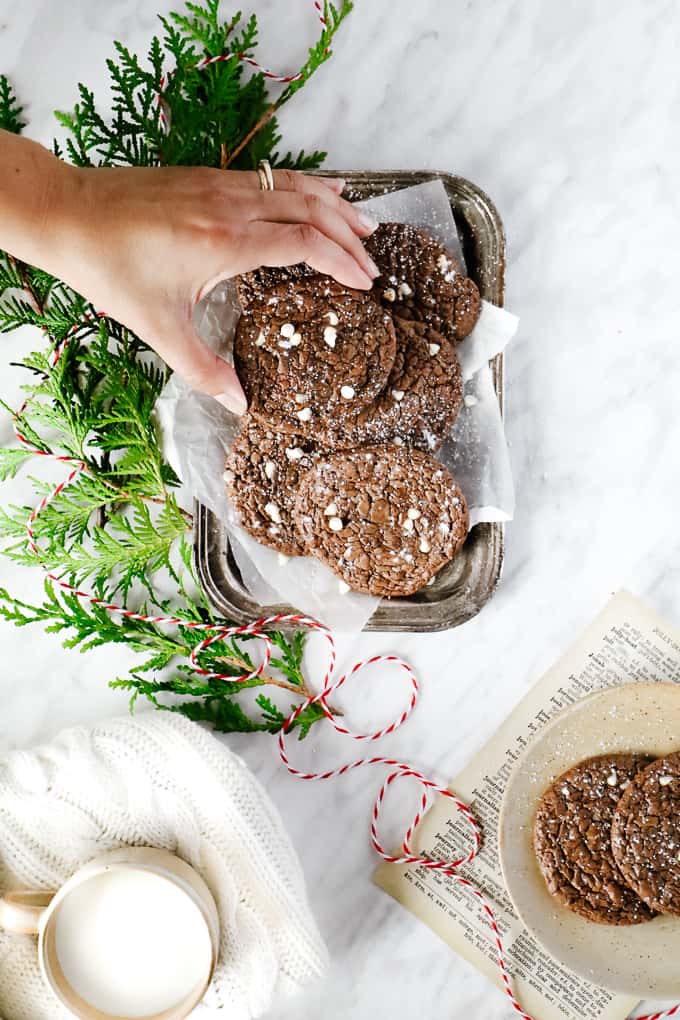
point(197, 433)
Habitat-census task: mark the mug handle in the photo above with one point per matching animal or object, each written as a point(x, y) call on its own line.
point(21, 911)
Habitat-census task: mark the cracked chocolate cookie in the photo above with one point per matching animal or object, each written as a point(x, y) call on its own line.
point(420, 402)
point(572, 839)
point(262, 474)
point(312, 352)
point(385, 520)
point(421, 280)
point(646, 835)
point(252, 287)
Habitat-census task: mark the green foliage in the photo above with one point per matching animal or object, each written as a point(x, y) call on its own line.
point(10, 111)
point(211, 111)
point(117, 528)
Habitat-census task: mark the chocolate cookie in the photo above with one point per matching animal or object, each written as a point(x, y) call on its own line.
point(385, 520)
point(646, 835)
point(572, 839)
point(252, 287)
point(421, 280)
point(263, 473)
point(312, 352)
point(420, 402)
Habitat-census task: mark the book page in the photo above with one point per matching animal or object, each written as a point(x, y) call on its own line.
point(626, 643)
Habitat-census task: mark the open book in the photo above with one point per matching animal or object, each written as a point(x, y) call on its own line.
point(626, 643)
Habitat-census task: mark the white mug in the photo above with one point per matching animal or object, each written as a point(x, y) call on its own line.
point(104, 914)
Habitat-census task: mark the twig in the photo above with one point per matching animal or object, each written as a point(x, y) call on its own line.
point(264, 119)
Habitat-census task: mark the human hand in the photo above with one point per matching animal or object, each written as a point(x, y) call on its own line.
point(144, 245)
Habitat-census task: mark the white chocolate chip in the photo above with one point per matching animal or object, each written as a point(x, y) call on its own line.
point(301, 398)
point(443, 263)
point(413, 514)
point(430, 582)
point(296, 340)
point(272, 512)
point(404, 290)
point(330, 334)
point(665, 780)
point(347, 392)
point(270, 469)
point(335, 524)
point(389, 294)
point(228, 476)
point(470, 400)
point(294, 453)
point(283, 559)
point(260, 340)
point(424, 545)
point(343, 587)
point(612, 778)
point(397, 441)
point(407, 526)
point(305, 414)
point(331, 510)
point(398, 395)
point(434, 349)
point(333, 319)
point(287, 330)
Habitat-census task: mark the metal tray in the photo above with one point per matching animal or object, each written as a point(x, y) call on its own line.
point(468, 582)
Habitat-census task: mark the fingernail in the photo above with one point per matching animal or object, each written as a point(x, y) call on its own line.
point(373, 269)
point(235, 402)
point(367, 222)
point(336, 183)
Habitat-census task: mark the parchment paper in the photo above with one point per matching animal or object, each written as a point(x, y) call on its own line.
point(198, 432)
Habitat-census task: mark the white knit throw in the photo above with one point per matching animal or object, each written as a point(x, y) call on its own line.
point(158, 780)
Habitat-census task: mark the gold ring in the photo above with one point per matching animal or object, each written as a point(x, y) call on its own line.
point(264, 172)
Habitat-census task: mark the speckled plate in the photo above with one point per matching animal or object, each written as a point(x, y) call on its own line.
point(639, 959)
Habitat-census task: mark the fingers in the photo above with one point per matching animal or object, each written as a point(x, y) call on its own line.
point(327, 189)
point(283, 244)
point(202, 369)
point(284, 207)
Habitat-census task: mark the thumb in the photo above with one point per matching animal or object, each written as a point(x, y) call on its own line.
point(202, 369)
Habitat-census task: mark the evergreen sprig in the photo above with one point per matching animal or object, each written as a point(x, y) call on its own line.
point(117, 528)
point(10, 111)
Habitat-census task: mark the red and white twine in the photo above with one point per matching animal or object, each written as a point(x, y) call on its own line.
point(284, 79)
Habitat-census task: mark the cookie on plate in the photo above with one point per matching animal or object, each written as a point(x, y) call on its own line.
point(312, 352)
point(572, 839)
point(384, 519)
point(421, 280)
point(646, 835)
point(263, 473)
point(420, 402)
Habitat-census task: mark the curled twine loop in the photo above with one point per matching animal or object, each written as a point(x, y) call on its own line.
point(164, 115)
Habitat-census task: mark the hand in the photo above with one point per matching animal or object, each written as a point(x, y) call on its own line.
point(143, 245)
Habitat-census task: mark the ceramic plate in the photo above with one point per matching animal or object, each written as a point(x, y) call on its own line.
point(637, 959)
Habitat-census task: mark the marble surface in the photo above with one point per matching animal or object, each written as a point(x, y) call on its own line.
point(568, 118)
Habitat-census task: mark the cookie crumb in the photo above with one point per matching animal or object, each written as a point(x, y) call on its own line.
point(390, 294)
point(343, 587)
point(470, 400)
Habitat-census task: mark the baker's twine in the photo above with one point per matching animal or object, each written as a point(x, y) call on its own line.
point(284, 79)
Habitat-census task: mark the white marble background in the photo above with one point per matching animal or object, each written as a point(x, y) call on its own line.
point(568, 115)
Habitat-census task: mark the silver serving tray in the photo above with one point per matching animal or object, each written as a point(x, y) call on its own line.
point(468, 582)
